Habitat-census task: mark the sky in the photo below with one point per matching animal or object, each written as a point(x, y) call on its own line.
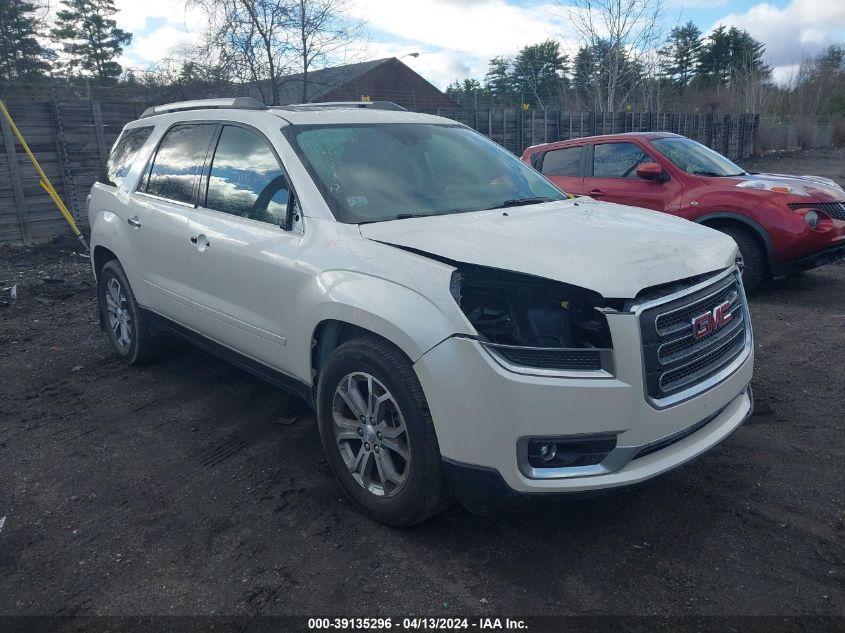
point(456, 38)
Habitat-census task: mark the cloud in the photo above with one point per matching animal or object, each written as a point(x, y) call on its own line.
point(176, 25)
point(800, 29)
point(457, 38)
point(133, 15)
point(482, 28)
point(157, 45)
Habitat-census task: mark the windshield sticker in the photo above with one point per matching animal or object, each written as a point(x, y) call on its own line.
point(357, 201)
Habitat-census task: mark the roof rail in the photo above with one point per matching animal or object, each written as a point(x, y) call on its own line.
point(237, 103)
point(335, 105)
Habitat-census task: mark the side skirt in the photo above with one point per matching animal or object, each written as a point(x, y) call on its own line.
point(268, 374)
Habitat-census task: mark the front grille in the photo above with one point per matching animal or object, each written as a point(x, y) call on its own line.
point(675, 360)
point(833, 209)
point(550, 358)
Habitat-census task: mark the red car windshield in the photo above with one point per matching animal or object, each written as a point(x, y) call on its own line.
point(695, 158)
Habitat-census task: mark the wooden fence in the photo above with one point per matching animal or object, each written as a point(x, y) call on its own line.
point(733, 135)
point(71, 140)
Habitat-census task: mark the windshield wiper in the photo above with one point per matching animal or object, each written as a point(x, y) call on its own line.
point(520, 202)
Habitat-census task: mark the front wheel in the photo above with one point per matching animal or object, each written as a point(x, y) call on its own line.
point(753, 257)
point(377, 433)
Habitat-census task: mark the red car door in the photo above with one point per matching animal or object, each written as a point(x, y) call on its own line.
point(611, 176)
point(564, 167)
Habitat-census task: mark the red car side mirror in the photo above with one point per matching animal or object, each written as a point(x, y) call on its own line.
point(651, 171)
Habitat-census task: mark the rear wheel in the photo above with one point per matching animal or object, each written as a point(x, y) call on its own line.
point(125, 324)
point(377, 433)
point(753, 257)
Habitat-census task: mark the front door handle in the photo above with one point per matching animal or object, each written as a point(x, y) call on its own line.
point(596, 193)
point(201, 242)
point(134, 221)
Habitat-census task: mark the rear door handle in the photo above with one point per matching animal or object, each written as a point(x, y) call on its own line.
point(596, 193)
point(134, 221)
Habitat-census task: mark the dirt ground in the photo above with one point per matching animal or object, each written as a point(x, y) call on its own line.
point(190, 487)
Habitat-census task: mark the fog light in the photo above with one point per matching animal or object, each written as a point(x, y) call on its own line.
point(548, 452)
point(812, 219)
point(568, 452)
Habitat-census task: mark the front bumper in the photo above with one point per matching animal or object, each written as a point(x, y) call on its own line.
point(821, 258)
point(481, 412)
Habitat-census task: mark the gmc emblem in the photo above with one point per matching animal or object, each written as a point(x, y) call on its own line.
point(707, 323)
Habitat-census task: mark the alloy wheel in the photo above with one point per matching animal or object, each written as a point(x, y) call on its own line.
point(371, 434)
point(120, 321)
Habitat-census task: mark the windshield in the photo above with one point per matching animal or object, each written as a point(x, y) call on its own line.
point(372, 173)
point(695, 158)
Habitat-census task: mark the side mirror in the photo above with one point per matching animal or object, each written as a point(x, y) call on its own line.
point(651, 171)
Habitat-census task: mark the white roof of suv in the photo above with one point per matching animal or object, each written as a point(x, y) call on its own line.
point(299, 114)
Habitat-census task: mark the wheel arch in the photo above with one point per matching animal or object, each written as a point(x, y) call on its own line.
point(100, 257)
point(330, 334)
point(347, 304)
point(726, 218)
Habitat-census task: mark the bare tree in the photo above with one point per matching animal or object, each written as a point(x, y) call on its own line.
point(251, 38)
point(261, 41)
point(626, 33)
point(320, 30)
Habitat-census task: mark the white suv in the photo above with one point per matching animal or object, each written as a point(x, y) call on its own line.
point(462, 328)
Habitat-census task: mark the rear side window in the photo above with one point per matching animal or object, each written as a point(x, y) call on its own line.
point(562, 162)
point(617, 160)
point(123, 155)
point(246, 178)
point(178, 162)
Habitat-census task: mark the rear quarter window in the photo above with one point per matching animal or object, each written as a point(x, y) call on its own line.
point(123, 155)
point(562, 162)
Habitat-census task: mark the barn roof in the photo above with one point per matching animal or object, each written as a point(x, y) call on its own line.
point(323, 81)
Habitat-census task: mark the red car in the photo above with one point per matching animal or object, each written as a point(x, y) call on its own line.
point(782, 224)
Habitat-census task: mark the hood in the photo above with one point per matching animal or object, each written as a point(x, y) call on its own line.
point(820, 189)
point(612, 249)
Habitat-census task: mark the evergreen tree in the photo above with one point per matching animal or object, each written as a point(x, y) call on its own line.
point(679, 59)
point(467, 93)
point(747, 55)
point(729, 54)
point(584, 76)
point(593, 69)
point(21, 56)
point(90, 38)
point(498, 80)
point(539, 73)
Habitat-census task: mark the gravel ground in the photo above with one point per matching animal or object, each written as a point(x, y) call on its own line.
point(190, 487)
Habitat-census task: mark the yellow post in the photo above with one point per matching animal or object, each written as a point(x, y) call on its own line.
point(45, 182)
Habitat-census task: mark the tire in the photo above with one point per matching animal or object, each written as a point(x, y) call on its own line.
point(753, 257)
point(131, 336)
point(356, 369)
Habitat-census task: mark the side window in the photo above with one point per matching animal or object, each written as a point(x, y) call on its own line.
point(246, 178)
point(178, 162)
point(123, 154)
point(562, 162)
point(617, 160)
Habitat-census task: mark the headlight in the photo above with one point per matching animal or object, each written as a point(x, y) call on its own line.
point(529, 321)
point(774, 186)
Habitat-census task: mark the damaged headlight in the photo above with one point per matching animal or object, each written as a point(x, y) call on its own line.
point(529, 321)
